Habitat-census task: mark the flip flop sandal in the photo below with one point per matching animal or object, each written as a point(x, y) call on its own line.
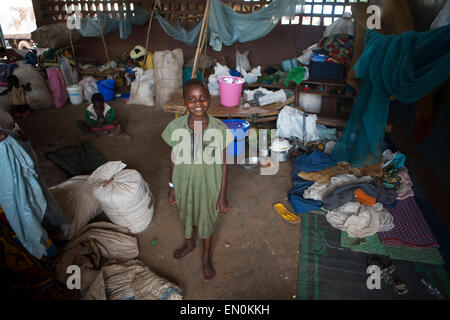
point(286, 214)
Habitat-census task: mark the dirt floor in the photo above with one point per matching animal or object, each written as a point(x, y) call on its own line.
point(255, 252)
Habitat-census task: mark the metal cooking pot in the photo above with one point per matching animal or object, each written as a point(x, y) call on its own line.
point(282, 156)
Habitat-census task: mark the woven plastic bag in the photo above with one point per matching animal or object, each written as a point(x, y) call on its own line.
point(124, 195)
point(168, 73)
point(39, 97)
point(142, 90)
point(295, 123)
point(77, 202)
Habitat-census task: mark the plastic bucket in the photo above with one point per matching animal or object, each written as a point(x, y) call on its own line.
point(230, 90)
point(107, 88)
point(75, 94)
point(239, 129)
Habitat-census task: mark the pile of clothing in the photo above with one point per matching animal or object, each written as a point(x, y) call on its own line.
point(376, 200)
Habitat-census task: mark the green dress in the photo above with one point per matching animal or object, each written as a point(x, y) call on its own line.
point(197, 180)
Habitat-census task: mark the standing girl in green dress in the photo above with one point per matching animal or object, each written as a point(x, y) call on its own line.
point(198, 170)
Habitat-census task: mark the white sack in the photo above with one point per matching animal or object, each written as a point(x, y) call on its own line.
point(123, 195)
point(77, 203)
point(39, 97)
point(142, 90)
point(168, 73)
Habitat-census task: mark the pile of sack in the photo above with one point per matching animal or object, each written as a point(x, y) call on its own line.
point(105, 252)
point(122, 194)
point(106, 257)
point(154, 86)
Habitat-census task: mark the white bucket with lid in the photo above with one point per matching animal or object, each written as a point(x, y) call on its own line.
point(75, 94)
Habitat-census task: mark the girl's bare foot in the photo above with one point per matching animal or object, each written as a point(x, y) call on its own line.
point(208, 270)
point(188, 246)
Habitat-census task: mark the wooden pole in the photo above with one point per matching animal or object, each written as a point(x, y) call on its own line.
point(200, 41)
point(103, 38)
point(71, 44)
point(204, 62)
point(148, 30)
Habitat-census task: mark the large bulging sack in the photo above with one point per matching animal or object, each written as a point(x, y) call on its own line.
point(54, 36)
point(77, 203)
point(142, 90)
point(168, 73)
point(124, 195)
point(39, 97)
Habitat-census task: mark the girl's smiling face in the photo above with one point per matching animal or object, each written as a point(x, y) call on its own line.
point(196, 99)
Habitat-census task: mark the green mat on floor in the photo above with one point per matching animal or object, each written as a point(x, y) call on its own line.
point(374, 245)
point(328, 271)
point(81, 158)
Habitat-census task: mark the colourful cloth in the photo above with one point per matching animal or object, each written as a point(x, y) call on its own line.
point(411, 228)
point(107, 127)
point(405, 189)
point(339, 47)
point(37, 274)
point(373, 245)
point(197, 185)
point(363, 198)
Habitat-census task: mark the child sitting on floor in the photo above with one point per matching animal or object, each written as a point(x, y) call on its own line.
point(99, 116)
point(19, 106)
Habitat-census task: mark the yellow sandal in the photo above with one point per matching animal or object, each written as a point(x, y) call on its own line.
point(286, 214)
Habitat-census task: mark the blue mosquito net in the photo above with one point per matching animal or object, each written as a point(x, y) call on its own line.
point(231, 26)
point(90, 27)
point(408, 67)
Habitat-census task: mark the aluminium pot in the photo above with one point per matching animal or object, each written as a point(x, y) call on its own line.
point(282, 156)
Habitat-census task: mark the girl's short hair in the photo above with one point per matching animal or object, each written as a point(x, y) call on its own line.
point(97, 97)
point(194, 82)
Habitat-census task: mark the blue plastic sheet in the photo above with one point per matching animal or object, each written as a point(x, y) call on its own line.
point(408, 66)
point(24, 196)
point(228, 26)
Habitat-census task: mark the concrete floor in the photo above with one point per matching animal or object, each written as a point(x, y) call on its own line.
point(262, 259)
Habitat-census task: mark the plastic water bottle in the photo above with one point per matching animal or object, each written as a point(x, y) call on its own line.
point(264, 150)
